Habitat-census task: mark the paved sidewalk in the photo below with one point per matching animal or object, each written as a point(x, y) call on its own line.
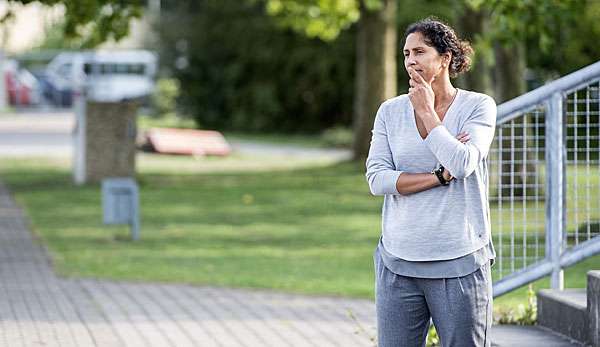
point(37, 308)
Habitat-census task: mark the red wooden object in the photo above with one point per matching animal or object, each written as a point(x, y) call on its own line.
point(187, 141)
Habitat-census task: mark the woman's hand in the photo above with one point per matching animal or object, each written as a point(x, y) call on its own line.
point(420, 93)
point(463, 138)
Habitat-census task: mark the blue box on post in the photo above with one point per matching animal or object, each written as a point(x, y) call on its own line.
point(120, 203)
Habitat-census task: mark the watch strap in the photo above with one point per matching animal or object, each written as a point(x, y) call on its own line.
point(439, 174)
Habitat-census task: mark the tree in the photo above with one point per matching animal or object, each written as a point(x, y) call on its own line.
point(376, 70)
point(514, 26)
point(473, 24)
point(95, 21)
point(376, 46)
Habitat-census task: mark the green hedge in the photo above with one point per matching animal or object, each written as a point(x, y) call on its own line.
point(239, 71)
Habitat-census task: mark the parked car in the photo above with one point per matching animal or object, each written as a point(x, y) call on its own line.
point(58, 80)
point(22, 87)
point(105, 75)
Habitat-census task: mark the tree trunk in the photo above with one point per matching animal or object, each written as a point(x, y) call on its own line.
point(509, 71)
point(375, 79)
point(470, 24)
point(510, 83)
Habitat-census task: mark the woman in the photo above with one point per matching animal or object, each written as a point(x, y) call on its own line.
point(428, 157)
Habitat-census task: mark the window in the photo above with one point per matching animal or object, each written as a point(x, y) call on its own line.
point(64, 70)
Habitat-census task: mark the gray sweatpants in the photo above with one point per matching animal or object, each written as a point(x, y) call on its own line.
point(460, 307)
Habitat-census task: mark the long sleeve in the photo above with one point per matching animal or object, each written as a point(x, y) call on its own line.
point(381, 172)
point(462, 159)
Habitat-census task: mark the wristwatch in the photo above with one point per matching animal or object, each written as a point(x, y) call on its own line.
point(439, 174)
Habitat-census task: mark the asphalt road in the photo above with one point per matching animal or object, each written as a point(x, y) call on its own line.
point(36, 134)
point(49, 133)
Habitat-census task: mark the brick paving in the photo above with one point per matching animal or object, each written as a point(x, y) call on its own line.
point(38, 308)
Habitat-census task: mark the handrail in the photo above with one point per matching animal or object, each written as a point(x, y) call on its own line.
point(544, 268)
point(512, 108)
point(554, 99)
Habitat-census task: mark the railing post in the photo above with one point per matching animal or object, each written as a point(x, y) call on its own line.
point(555, 183)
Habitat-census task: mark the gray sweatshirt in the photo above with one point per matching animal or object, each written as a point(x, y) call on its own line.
point(443, 222)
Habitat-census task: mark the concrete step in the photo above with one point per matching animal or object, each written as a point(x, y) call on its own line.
point(564, 311)
point(593, 307)
point(528, 336)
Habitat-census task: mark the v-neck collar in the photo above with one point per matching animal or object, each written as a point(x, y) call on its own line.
point(448, 112)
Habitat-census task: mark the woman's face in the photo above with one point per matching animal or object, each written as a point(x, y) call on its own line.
point(423, 58)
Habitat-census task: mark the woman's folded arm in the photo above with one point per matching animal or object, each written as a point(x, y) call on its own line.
point(381, 174)
point(461, 159)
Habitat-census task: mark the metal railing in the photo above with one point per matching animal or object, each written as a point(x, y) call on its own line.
point(544, 168)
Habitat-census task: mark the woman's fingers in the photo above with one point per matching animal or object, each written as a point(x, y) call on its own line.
point(463, 137)
point(414, 75)
point(417, 77)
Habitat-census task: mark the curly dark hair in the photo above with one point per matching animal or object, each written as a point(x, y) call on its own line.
point(443, 38)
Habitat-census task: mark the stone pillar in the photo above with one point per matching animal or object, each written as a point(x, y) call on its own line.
point(593, 307)
point(110, 140)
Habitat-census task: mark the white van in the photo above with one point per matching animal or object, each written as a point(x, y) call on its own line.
point(106, 75)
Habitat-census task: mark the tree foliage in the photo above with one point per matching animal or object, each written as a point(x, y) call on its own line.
point(324, 19)
point(93, 21)
point(571, 42)
point(543, 25)
point(518, 20)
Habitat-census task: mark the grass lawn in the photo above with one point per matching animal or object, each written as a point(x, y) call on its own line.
point(305, 230)
point(308, 141)
point(145, 122)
